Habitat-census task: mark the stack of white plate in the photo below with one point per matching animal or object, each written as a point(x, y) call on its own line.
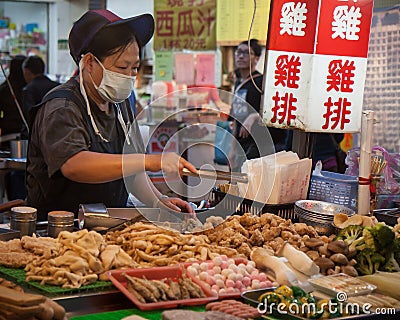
point(319, 214)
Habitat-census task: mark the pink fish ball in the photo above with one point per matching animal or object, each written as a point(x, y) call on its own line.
point(203, 276)
point(211, 272)
point(255, 284)
point(268, 284)
point(219, 276)
point(229, 283)
point(217, 269)
point(239, 277)
point(246, 281)
point(249, 269)
point(192, 270)
point(234, 267)
point(217, 260)
point(220, 283)
point(215, 287)
point(224, 257)
point(264, 284)
point(232, 276)
point(239, 284)
point(224, 264)
point(204, 266)
point(210, 280)
point(262, 276)
point(231, 290)
point(196, 265)
point(254, 275)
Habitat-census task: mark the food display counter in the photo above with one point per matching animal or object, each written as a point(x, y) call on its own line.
point(236, 261)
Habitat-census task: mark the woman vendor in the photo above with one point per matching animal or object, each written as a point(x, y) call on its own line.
point(83, 138)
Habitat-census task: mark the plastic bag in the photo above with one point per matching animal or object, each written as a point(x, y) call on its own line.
point(388, 184)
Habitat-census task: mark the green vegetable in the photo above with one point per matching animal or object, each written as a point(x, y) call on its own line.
point(365, 241)
point(383, 235)
point(369, 261)
point(350, 233)
point(396, 250)
point(298, 292)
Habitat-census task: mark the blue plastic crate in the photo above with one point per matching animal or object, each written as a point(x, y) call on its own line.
point(334, 188)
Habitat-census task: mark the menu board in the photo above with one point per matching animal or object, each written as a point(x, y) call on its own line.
point(234, 19)
point(184, 24)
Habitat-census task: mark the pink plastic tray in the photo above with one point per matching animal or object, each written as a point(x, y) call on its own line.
point(171, 272)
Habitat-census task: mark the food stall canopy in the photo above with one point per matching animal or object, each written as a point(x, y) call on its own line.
point(316, 64)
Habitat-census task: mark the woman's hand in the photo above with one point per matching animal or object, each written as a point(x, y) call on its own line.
point(168, 162)
point(177, 204)
point(247, 124)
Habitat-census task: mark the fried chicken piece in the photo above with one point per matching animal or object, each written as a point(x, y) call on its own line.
point(234, 223)
point(248, 219)
point(15, 259)
point(13, 245)
point(286, 235)
point(276, 244)
point(257, 238)
point(244, 249)
point(300, 228)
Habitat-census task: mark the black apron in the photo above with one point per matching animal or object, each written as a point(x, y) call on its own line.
point(65, 194)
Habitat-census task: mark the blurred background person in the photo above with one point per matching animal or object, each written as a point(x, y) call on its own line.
point(245, 111)
point(11, 123)
point(324, 149)
point(38, 84)
point(10, 117)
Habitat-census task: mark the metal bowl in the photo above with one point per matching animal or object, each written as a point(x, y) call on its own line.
point(319, 214)
point(320, 209)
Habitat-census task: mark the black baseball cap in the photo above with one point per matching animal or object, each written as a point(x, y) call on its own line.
point(84, 29)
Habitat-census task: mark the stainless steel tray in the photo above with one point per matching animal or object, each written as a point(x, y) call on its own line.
point(98, 217)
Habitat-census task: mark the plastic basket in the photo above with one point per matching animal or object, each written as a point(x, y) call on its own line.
point(334, 188)
point(239, 206)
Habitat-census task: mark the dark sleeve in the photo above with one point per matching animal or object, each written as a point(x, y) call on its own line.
point(28, 101)
point(62, 132)
point(338, 137)
point(253, 95)
point(289, 140)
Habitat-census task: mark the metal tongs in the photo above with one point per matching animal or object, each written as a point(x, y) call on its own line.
point(218, 175)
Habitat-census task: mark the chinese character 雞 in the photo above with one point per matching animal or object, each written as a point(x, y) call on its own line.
point(293, 17)
point(287, 71)
point(340, 74)
point(345, 22)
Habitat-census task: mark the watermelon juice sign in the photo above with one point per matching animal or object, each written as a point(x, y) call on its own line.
point(316, 64)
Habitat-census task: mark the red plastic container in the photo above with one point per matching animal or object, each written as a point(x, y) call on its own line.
point(171, 272)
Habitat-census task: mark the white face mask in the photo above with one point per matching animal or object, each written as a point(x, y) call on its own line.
point(114, 87)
